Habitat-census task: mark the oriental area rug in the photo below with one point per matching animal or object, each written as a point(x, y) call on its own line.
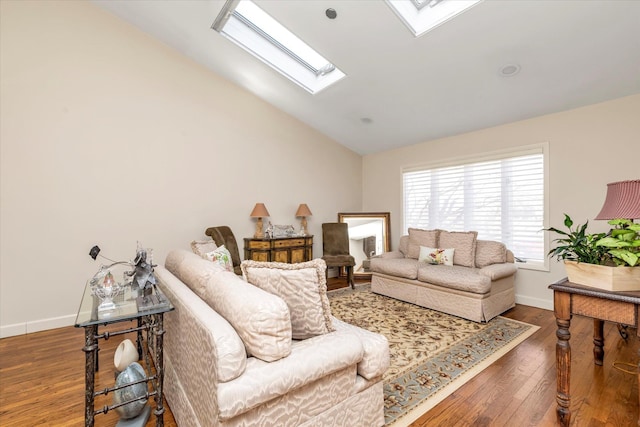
point(432, 353)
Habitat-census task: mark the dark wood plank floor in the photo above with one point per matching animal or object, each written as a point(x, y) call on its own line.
point(42, 382)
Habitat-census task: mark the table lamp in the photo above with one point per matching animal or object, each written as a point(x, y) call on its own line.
point(303, 211)
point(259, 211)
point(622, 201)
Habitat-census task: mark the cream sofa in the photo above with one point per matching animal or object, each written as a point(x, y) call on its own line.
point(478, 286)
point(231, 360)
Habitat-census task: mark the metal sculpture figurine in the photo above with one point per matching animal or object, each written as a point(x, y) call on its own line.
point(142, 274)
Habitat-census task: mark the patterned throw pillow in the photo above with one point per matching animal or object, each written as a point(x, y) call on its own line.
point(222, 256)
point(303, 286)
point(436, 255)
point(202, 247)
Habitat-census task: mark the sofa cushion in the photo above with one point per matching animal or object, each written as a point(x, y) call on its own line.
point(197, 269)
point(303, 286)
point(418, 237)
point(261, 319)
point(489, 252)
point(400, 267)
point(455, 277)
point(436, 255)
point(403, 245)
point(464, 243)
point(194, 320)
point(310, 361)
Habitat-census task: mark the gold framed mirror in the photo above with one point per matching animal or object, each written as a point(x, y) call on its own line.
point(368, 236)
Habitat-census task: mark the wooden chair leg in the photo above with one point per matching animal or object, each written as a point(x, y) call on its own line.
point(350, 277)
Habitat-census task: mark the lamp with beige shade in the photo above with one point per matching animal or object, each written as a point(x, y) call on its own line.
point(259, 211)
point(303, 211)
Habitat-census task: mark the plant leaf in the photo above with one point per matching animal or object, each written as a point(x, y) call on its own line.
point(612, 242)
point(568, 222)
point(625, 255)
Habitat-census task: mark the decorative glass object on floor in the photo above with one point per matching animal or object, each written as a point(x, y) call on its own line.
point(132, 373)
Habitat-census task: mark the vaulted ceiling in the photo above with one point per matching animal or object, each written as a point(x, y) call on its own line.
point(402, 90)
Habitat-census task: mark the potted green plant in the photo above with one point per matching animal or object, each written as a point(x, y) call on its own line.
point(603, 260)
point(622, 242)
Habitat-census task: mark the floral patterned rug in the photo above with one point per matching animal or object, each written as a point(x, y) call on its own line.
point(432, 353)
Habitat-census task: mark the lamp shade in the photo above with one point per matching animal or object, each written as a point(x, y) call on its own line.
point(303, 210)
point(622, 201)
point(259, 211)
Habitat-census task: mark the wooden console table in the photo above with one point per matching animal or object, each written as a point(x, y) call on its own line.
point(280, 249)
point(569, 299)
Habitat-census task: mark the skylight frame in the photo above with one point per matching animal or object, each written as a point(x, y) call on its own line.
point(423, 16)
point(251, 28)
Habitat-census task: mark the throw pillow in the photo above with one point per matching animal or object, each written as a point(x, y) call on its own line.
point(418, 237)
point(464, 244)
point(221, 256)
point(201, 247)
point(260, 319)
point(490, 252)
point(302, 286)
point(436, 255)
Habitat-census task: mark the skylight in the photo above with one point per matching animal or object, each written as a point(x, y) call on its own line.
point(424, 15)
point(251, 28)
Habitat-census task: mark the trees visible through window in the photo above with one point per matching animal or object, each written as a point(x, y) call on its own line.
point(502, 199)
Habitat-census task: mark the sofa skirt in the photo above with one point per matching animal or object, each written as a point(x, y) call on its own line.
point(468, 305)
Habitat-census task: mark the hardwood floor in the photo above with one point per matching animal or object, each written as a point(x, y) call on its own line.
point(42, 381)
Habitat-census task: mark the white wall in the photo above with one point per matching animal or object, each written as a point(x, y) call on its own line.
point(588, 148)
point(109, 137)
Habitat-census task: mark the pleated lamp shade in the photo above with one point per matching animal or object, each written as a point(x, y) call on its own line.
point(622, 201)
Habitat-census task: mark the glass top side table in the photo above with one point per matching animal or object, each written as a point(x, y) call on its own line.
point(148, 311)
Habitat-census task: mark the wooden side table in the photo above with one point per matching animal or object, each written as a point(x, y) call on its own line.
point(569, 299)
point(281, 249)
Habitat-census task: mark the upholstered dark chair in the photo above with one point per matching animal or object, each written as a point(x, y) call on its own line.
point(223, 235)
point(335, 248)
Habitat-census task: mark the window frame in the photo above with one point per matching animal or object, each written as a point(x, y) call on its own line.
point(538, 148)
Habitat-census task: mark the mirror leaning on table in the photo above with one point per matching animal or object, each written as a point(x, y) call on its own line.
point(368, 236)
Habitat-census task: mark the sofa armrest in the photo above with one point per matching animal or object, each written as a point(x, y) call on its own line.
point(376, 359)
point(498, 271)
point(200, 345)
point(310, 360)
point(391, 254)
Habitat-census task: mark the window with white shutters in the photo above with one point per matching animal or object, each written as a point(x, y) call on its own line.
point(502, 197)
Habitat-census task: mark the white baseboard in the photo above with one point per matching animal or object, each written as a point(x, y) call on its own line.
point(36, 326)
point(534, 302)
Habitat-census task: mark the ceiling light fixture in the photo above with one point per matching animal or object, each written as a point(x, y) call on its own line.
point(509, 70)
point(331, 13)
